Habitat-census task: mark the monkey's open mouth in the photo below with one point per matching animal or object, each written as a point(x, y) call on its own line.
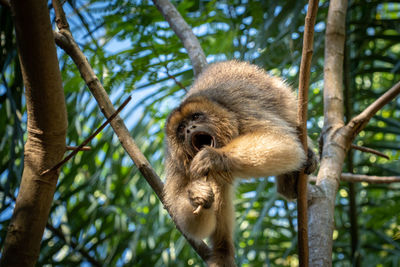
point(201, 139)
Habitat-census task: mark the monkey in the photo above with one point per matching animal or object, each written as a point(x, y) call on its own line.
point(236, 121)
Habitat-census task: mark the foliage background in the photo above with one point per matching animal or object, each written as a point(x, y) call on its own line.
point(104, 213)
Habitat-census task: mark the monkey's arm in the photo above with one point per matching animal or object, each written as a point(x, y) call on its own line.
point(255, 154)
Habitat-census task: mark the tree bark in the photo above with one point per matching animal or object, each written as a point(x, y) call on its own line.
point(336, 138)
point(46, 126)
point(321, 209)
point(304, 81)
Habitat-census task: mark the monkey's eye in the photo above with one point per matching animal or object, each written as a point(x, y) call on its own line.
point(181, 128)
point(196, 116)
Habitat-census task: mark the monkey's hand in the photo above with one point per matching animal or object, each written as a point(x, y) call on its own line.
point(200, 195)
point(207, 160)
point(311, 163)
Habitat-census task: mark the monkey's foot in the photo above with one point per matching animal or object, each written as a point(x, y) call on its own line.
point(311, 163)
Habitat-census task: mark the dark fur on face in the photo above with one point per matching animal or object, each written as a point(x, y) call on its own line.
point(208, 117)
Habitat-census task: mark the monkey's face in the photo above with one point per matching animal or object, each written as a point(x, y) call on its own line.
point(198, 123)
point(194, 132)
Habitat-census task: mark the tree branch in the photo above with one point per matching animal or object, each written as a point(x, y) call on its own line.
point(87, 140)
point(65, 40)
point(321, 209)
point(304, 81)
point(360, 178)
point(358, 123)
point(185, 34)
point(333, 68)
point(84, 148)
point(369, 178)
point(369, 150)
point(46, 126)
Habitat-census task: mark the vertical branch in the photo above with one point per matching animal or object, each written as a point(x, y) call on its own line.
point(321, 209)
point(333, 69)
point(304, 80)
point(185, 34)
point(46, 126)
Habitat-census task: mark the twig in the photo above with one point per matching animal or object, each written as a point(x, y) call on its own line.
point(360, 121)
point(185, 34)
point(175, 80)
point(65, 40)
point(85, 148)
point(165, 64)
point(360, 178)
point(84, 143)
point(304, 80)
point(369, 150)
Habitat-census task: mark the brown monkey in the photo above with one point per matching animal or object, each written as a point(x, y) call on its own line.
point(236, 121)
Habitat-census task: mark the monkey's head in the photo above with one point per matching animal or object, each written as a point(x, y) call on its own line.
point(199, 122)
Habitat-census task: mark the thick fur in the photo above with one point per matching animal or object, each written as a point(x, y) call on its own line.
point(252, 117)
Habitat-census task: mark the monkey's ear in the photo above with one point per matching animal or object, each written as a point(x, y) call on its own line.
point(173, 120)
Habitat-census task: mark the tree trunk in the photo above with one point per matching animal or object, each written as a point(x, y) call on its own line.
point(321, 207)
point(47, 125)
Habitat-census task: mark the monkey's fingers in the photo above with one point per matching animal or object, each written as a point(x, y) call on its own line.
point(198, 209)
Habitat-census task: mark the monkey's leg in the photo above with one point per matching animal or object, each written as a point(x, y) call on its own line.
point(222, 239)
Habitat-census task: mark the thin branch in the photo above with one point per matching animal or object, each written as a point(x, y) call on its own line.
point(65, 40)
point(85, 148)
point(174, 78)
point(360, 178)
point(84, 143)
point(358, 123)
point(165, 64)
point(369, 179)
point(61, 21)
point(369, 150)
point(185, 34)
point(304, 80)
